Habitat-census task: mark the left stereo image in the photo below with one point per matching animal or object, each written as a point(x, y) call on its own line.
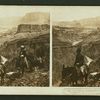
point(24, 46)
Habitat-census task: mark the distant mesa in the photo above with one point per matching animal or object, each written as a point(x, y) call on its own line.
point(38, 18)
point(35, 18)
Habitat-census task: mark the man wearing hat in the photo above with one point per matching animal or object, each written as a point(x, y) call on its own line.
point(22, 50)
point(23, 54)
point(79, 58)
point(22, 64)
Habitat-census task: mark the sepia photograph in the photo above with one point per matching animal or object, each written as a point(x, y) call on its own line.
point(24, 46)
point(76, 46)
point(50, 50)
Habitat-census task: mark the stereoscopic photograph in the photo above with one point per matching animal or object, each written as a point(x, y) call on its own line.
point(24, 46)
point(76, 46)
point(50, 50)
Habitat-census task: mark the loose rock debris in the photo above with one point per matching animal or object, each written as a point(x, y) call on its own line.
point(35, 78)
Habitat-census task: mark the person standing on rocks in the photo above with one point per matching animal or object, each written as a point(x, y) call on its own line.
point(22, 64)
point(23, 52)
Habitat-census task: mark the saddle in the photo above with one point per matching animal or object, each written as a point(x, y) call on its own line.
point(82, 70)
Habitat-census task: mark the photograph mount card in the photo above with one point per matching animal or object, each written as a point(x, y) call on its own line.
point(50, 50)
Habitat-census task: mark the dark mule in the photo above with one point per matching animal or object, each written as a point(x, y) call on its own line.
point(70, 75)
point(74, 75)
point(35, 62)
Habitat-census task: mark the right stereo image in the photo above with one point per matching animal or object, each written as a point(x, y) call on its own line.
point(76, 47)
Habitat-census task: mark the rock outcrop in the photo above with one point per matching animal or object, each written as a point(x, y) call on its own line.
point(32, 28)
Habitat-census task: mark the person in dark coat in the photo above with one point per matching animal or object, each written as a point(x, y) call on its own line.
point(79, 59)
point(21, 61)
point(22, 64)
point(27, 58)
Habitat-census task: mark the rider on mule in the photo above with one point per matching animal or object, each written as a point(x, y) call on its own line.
point(81, 66)
point(80, 61)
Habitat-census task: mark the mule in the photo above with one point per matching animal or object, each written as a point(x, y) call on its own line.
point(75, 75)
point(69, 74)
point(35, 62)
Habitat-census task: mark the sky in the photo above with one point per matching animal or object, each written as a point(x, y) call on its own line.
point(69, 13)
point(58, 13)
point(10, 11)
